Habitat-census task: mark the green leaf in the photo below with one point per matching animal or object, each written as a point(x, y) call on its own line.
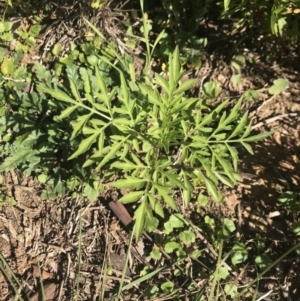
point(251, 95)
point(211, 89)
point(56, 49)
point(162, 82)
point(228, 227)
point(202, 200)
point(226, 166)
point(67, 112)
point(224, 179)
point(91, 193)
point(100, 82)
point(279, 85)
point(125, 92)
point(176, 220)
point(238, 62)
point(231, 290)
point(140, 220)
point(7, 67)
point(296, 228)
point(84, 146)
point(81, 121)
point(187, 237)
point(58, 94)
point(240, 126)
point(74, 90)
point(176, 66)
point(248, 147)
point(226, 4)
point(153, 95)
point(156, 206)
point(223, 273)
point(35, 30)
point(172, 246)
point(234, 156)
point(114, 149)
point(131, 197)
point(263, 261)
point(185, 86)
point(173, 180)
point(166, 197)
point(126, 166)
point(155, 254)
point(212, 189)
point(128, 183)
point(258, 137)
point(239, 254)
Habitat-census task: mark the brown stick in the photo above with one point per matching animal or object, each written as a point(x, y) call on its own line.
point(121, 212)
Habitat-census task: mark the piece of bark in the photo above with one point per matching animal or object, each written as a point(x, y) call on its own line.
point(121, 212)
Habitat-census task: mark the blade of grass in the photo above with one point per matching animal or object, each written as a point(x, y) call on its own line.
point(79, 249)
point(41, 282)
point(3, 267)
point(245, 290)
point(125, 266)
point(216, 273)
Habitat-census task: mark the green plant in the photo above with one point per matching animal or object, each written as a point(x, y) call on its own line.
point(281, 17)
point(151, 134)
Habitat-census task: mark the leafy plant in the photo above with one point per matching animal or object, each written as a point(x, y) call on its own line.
point(280, 17)
point(150, 133)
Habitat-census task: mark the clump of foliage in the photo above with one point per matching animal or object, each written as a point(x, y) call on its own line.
point(149, 132)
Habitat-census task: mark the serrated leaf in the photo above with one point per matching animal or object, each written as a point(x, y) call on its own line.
point(226, 166)
point(156, 206)
point(128, 183)
point(114, 149)
point(169, 201)
point(81, 121)
point(126, 166)
point(84, 146)
point(173, 180)
point(258, 137)
point(100, 82)
point(140, 220)
point(153, 95)
point(247, 147)
point(185, 86)
point(162, 82)
point(58, 94)
point(224, 179)
point(240, 126)
point(234, 156)
point(125, 92)
point(212, 189)
point(74, 90)
point(131, 197)
point(175, 70)
point(67, 112)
